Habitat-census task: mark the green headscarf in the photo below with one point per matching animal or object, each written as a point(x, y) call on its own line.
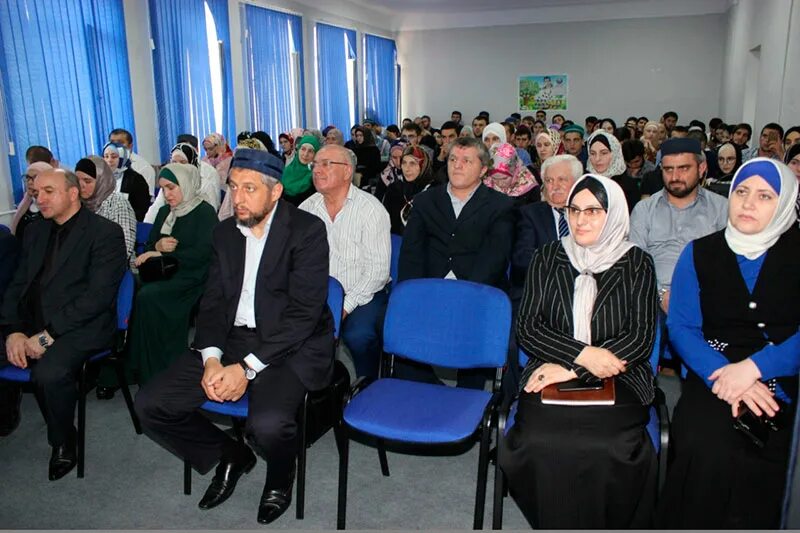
point(296, 177)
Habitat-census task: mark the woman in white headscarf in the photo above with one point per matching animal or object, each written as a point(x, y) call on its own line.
point(493, 134)
point(734, 319)
point(27, 210)
point(606, 159)
point(129, 183)
point(588, 313)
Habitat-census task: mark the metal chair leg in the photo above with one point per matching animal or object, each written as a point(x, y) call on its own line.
point(81, 437)
point(382, 457)
point(126, 393)
point(343, 440)
point(483, 467)
point(187, 477)
point(499, 487)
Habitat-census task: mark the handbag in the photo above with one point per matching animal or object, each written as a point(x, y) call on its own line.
point(159, 268)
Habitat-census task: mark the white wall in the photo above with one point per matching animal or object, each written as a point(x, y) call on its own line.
point(616, 68)
point(770, 83)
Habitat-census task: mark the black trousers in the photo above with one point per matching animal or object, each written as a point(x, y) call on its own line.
point(168, 407)
point(55, 380)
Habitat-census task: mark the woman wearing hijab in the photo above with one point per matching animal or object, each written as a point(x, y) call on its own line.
point(547, 144)
point(416, 178)
point(729, 159)
point(511, 177)
point(297, 182)
point(219, 155)
point(792, 159)
point(606, 159)
point(651, 140)
point(287, 147)
point(368, 155)
point(182, 230)
point(588, 312)
point(98, 195)
point(27, 210)
point(393, 171)
point(734, 322)
point(494, 133)
point(128, 182)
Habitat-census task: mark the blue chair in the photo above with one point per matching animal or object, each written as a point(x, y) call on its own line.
point(447, 323)
point(142, 234)
point(113, 355)
point(5, 228)
point(397, 242)
point(657, 428)
point(324, 406)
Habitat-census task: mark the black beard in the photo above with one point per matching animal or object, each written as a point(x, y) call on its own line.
point(253, 220)
point(682, 193)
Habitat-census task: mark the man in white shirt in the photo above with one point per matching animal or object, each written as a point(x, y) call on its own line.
point(138, 163)
point(263, 327)
point(358, 235)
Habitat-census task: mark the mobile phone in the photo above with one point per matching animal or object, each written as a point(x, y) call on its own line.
point(576, 385)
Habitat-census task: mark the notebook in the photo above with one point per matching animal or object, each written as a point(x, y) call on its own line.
point(556, 395)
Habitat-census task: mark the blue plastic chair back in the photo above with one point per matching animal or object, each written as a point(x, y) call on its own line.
point(448, 323)
point(394, 265)
point(336, 303)
point(142, 234)
point(4, 228)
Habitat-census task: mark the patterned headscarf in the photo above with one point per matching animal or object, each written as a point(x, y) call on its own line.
point(617, 165)
point(216, 139)
point(124, 158)
point(188, 151)
point(508, 174)
point(97, 168)
point(554, 137)
point(393, 173)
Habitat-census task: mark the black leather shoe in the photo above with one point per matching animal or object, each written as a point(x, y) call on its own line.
point(228, 473)
point(62, 460)
point(10, 399)
point(104, 393)
point(274, 502)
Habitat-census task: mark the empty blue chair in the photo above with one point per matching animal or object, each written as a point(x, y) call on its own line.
point(657, 429)
point(447, 323)
point(142, 234)
point(340, 383)
point(113, 355)
point(397, 242)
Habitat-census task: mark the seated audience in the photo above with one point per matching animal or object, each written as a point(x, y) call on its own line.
point(509, 175)
point(28, 210)
point(606, 159)
point(463, 230)
point(729, 159)
point(635, 163)
point(449, 133)
point(415, 178)
point(548, 144)
point(572, 139)
point(334, 136)
point(287, 147)
point(588, 312)
point(269, 335)
point(297, 179)
point(138, 163)
point(182, 230)
point(360, 249)
point(219, 156)
point(128, 182)
point(680, 212)
point(60, 308)
point(393, 171)
point(792, 160)
point(651, 140)
point(40, 154)
point(734, 322)
point(98, 196)
point(770, 144)
point(791, 137)
point(493, 134)
point(741, 135)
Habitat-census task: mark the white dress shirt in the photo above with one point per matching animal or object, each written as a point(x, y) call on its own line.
point(246, 311)
point(360, 246)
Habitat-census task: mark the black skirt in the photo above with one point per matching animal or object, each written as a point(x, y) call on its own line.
point(582, 467)
point(717, 479)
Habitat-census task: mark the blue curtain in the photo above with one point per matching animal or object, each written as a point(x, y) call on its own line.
point(334, 47)
point(268, 53)
point(184, 97)
point(65, 79)
point(381, 58)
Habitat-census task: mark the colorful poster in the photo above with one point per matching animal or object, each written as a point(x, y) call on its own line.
point(546, 92)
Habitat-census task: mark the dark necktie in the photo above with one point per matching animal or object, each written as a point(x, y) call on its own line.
point(563, 228)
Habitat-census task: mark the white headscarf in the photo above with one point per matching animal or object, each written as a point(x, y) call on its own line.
point(497, 129)
point(611, 245)
point(188, 177)
point(752, 246)
point(617, 165)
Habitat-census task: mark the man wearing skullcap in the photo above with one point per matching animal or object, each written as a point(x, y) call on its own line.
point(572, 138)
point(263, 327)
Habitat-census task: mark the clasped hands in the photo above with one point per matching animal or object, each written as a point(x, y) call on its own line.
point(739, 382)
point(163, 245)
point(19, 347)
point(223, 383)
point(598, 361)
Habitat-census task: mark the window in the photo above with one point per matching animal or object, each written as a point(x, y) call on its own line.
point(274, 60)
point(380, 79)
point(337, 99)
point(65, 80)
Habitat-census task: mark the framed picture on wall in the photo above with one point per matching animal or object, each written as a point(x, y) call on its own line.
point(542, 91)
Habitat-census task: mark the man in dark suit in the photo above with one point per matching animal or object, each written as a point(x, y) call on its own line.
point(61, 305)
point(461, 231)
point(263, 327)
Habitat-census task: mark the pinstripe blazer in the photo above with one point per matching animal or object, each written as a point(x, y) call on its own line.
point(623, 320)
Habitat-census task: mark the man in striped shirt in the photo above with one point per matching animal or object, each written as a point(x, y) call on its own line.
point(360, 250)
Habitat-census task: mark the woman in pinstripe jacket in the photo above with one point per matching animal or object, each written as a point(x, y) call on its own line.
point(588, 311)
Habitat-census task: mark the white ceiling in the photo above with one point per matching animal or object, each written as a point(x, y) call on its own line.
point(454, 6)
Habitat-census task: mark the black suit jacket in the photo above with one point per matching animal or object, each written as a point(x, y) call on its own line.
point(291, 311)
point(9, 257)
point(476, 246)
point(535, 227)
point(79, 296)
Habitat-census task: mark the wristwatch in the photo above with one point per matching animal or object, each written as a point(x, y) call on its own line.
point(43, 340)
point(249, 373)
point(661, 293)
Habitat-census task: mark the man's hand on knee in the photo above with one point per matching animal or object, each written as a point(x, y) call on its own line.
point(15, 350)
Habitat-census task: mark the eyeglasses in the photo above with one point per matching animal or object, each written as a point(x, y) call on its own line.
point(325, 164)
point(590, 212)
